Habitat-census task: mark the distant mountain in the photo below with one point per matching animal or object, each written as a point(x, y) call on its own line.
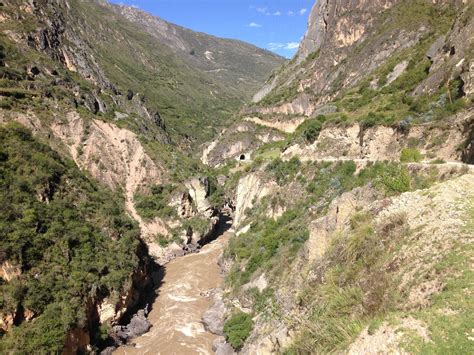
point(238, 65)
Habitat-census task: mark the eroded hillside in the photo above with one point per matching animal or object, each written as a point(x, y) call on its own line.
point(123, 52)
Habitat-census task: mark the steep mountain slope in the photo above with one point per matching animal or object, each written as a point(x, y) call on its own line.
point(67, 247)
point(328, 258)
point(351, 175)
point(105, 47)
point(397, 64)
point(238, 66)
point(119, 100)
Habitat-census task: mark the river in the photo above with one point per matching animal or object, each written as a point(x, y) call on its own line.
point(182, 298)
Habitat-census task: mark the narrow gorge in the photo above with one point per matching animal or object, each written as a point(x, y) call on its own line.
point(166, 191)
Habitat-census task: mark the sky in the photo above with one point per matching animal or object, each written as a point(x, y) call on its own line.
point(277, 25)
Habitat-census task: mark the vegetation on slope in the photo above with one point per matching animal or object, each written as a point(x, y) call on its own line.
point(192, 102)
point(271, 244)
point(71, 239)
point(358, 285)
point(352, 286)
point(237, 329)
point(155, 204)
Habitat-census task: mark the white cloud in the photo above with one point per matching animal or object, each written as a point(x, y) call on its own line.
point(254, 24)
point(288, 46)
point(292, 45)
point(303, 11)
point(262, 10)
point(277, 13)
point(275, 46)
point(290, 13)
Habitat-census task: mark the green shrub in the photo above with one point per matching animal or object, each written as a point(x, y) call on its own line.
point(237, 329)
point(156, 203)
point(332, 179)
point(197, 224)
point(373, 119)
point(309, 130)
point(311, 133)
point(162, 240)
point(284, 171)
point(417, 71)
point(438, 161)
point(394, 180)
point(265, 242)
point(410, 155)
point(6, 103)
point(216, 192)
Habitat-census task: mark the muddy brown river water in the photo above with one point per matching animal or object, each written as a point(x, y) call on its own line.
point(182, 300)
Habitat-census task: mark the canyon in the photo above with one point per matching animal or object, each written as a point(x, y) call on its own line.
point(166, 191)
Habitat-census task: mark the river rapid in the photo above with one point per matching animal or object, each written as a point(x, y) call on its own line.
point(182, 298)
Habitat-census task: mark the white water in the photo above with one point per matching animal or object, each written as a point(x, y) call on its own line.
point(183, 297)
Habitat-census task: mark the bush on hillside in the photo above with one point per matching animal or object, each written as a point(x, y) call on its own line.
point(284, 171)
point(410, 155)
point(71, 239)
point(155, 204)
point(311, 128)
point(237, 329)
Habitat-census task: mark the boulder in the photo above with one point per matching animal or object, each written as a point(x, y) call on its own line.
point(138, 325)
point(221, 347)
point(213, 318)
point(436, 48)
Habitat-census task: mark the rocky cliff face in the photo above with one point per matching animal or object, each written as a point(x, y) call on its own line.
point(377, 63)
point(57, 37)
point(339, 23)
point(345, 41)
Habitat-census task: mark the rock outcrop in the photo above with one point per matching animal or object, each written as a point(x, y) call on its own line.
point(250, 189)
point(240, 140)
point(337, 219)
point(198, 190)
point(138, 325)
point(213, 318)
point(355, 142)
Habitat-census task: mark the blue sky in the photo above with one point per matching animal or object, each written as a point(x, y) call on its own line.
point(277, 25)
